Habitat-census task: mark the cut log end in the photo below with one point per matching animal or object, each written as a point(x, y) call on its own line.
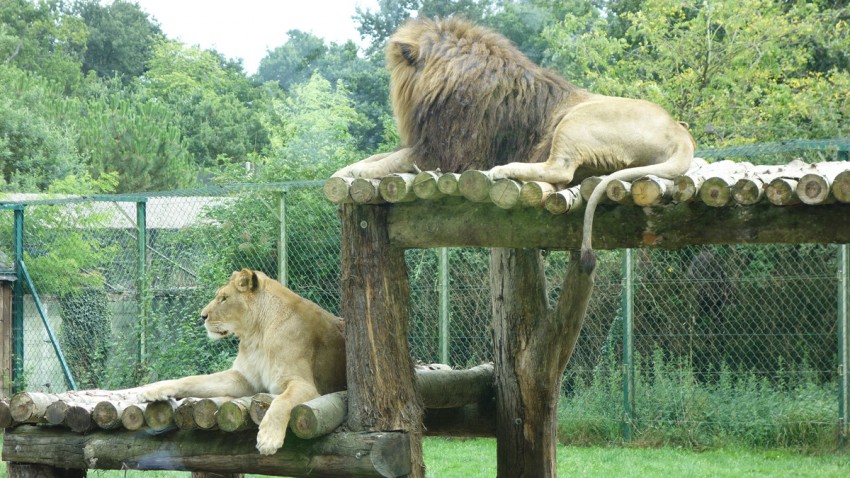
point(365, 191)
point(397, 188)
point(133, 417)
point(562, 202)
point(534, 193)
point(716, 192)
point(505, 193)
point(620, 192)
point(475, 185)
point(841, 187)
point(336, 190)
point(425, 185)
point(814, 189)
point(159, 416)
point(782, 192)
point(748, 191)
point(448, 184)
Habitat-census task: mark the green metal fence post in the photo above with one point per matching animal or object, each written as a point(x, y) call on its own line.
point(282, 260)
point(628, 343)
point(844, 344)
point(18, 303)
point(444, 305)
point(142, 280)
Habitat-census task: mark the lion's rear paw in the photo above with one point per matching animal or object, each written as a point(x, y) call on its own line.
point(270, 439)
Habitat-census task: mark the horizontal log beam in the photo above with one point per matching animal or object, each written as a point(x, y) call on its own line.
point(451, 222)
point(339, 454)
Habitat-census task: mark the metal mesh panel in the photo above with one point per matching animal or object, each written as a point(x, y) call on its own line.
point(734, 322)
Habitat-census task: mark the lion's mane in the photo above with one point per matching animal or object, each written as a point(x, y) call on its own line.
point(466, 98)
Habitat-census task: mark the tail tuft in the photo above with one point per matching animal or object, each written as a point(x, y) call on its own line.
point(588, 261)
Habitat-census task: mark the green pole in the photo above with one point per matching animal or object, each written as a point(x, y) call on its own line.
point(844, 344)
point(444, 305)
point(69, 378)
point(18, 303)
point(628, 343)
point(141, 281)
point(282, 259)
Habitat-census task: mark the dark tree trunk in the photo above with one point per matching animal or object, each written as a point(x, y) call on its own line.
point(533, 344)
point(375, 305)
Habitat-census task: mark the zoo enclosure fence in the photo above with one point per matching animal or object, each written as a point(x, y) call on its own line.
point(115, 284)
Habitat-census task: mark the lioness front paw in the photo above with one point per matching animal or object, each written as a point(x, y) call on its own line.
point(498, 172)
point(157, 392)
point(270, 439)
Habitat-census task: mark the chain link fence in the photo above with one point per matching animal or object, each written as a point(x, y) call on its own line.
point(724, 339)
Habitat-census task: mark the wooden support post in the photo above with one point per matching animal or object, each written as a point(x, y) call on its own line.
point(533, 344)
point(28, 470)
point(376, 303)
point(6, 282)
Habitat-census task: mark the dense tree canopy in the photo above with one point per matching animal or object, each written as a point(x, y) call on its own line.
point(121, 38)
point(95, 88)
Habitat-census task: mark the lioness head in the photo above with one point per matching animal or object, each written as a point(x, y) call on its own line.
point(226, 313)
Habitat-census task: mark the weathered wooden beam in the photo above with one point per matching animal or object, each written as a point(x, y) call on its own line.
point(454, 388)
point(380, 454)
point(437, 389)
point(451, 222)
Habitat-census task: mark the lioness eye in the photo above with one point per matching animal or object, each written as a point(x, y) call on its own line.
point(223, 298)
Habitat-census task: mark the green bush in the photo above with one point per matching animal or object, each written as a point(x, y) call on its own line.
point(671, 407)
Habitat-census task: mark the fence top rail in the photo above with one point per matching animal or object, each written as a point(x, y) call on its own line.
point(17, 201)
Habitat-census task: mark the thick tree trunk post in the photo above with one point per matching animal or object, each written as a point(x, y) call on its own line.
point(533, 344)
point(28, 470)
point(208, 474)
point(375, 304)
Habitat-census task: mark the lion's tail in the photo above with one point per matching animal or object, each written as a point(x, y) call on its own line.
point(674, 166)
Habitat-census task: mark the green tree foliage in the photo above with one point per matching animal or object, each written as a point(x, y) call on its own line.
point(216, 106)
point(366, 80)
point(36, 147)
point(293, 62)
point(735, 77)
point(138, 139)
point(38, 37)
point(310, 136)
point(120, 39)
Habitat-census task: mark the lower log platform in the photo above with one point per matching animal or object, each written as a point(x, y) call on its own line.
point(55, 452)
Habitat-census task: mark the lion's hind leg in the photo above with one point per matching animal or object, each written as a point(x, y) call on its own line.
point(558, 173)
point(273, 427)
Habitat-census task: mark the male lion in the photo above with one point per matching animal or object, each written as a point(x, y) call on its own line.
point(465, 98)
point(288, 346)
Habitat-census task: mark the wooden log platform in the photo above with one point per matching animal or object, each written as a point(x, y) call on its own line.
point(380, 454)
point(108, 430)
point(714, 203)
point(438, 387)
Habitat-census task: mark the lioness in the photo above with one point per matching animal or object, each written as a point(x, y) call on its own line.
point(288, 346)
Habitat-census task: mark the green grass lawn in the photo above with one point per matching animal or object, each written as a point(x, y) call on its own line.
point(477, 458)
point(448, 458)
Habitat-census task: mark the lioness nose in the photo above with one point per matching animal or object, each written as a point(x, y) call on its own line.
point(203, 318)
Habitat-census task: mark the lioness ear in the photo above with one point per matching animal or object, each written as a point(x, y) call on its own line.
point(246, 280)
point(408, 51)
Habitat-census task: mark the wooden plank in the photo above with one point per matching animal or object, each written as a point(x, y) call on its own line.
point(454, 222)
